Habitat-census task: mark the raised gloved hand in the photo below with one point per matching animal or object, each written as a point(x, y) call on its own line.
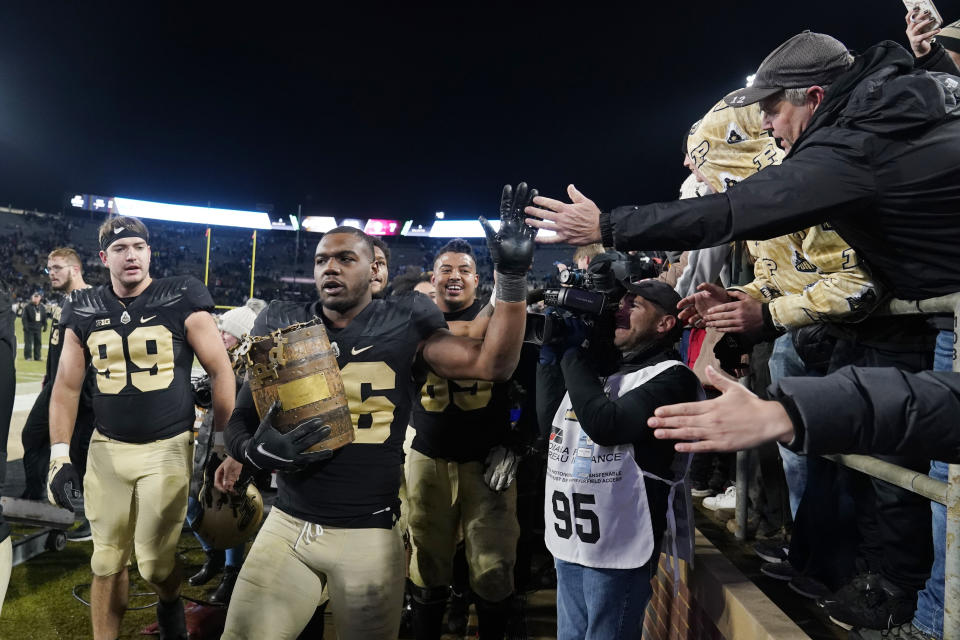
point(270, 449)
point(63, 483)
point(511, 247)
point(501, 468)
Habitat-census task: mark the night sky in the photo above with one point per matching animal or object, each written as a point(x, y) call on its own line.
point(392, 111)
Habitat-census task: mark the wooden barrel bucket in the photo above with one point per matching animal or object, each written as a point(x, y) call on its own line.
point(298, 366)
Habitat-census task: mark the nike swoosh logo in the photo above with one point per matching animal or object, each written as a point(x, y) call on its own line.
point(264, 452)
point(142, 319)
point(354, 351)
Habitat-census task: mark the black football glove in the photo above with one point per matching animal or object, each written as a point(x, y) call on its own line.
point(270, 449)
point(63, 484)
point(511, 248)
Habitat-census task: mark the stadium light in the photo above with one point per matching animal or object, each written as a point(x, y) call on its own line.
point(440, 215)
point(189, 213)
point(470, 229)
point(318, 224)
point(750, 79)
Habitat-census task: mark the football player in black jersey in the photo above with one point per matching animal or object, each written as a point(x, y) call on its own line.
point(66, 275)
point(458, 423)
point(333, 522)
point(141, 335)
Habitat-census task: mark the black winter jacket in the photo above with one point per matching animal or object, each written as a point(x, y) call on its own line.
point(874, 410)
point(879, 161)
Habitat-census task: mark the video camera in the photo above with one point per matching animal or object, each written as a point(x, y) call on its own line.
point(593, 294)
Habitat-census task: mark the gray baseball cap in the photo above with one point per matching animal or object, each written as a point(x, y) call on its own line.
point(804, 60)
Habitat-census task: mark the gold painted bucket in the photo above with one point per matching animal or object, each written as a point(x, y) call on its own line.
point(298, 366)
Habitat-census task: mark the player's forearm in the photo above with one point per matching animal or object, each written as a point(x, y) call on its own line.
point(500, 350)
point(63, 411)
point(224, 386)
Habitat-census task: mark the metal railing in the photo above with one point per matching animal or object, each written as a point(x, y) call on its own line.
point(945, 493)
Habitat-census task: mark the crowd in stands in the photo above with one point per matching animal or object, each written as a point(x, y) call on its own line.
point(284, 259)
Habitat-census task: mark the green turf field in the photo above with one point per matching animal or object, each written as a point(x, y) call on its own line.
point(40, 604)
point(31, 371)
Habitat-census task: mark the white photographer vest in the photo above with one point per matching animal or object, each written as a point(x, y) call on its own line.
point(595, 507)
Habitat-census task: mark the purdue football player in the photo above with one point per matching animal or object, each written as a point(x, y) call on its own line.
point(141, 335)
point(66, 276)
point(333, 522)
point(458, 423)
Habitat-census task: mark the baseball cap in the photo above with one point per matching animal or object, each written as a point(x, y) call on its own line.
point(657, 292)
point(950, 37)
point(804, 60)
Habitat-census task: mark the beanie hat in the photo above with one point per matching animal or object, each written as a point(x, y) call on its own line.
point(239, 321)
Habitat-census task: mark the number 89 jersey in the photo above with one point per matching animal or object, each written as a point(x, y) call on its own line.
point(139, 350)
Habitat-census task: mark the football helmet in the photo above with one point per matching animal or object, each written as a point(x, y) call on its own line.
point(227, 520)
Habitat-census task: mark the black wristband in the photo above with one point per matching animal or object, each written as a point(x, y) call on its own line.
point(606, 229)
point(511, 287)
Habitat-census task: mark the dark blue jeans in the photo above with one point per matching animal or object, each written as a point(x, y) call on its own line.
point(602, 604)
point(929, 615)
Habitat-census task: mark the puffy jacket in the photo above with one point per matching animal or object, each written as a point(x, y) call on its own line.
point(879, 161)
point(874, 410)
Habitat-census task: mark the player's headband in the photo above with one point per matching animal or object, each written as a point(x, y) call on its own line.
point(120, 232)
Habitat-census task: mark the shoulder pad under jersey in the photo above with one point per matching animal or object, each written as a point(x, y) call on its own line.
point(83, 303)
point(393, 312)
point(280, 314)
point(180, 290)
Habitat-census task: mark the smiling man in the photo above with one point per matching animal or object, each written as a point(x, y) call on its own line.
point(459, 422)
point(874, 149)
point(333, 524)
point(141, 336)
point(608, 483)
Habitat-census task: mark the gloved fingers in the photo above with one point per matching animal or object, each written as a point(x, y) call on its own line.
point(308, 433)
point(520, 199)
point(311, 457)
point(488, 230)
point(506, 201)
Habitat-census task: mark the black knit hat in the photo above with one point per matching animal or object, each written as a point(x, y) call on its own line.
point(805, 60)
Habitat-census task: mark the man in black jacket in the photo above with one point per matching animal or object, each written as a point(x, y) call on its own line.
point(608, 481)
point(855, 410)
point(34, 318)
point(873, 148)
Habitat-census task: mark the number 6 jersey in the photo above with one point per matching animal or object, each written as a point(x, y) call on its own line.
point(138, 347)
point(359, 485)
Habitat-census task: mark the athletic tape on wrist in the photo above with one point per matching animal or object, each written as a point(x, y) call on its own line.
point(511, 288)
point(59, 450)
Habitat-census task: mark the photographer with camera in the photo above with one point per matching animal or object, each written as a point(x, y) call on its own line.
point(609, 485)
